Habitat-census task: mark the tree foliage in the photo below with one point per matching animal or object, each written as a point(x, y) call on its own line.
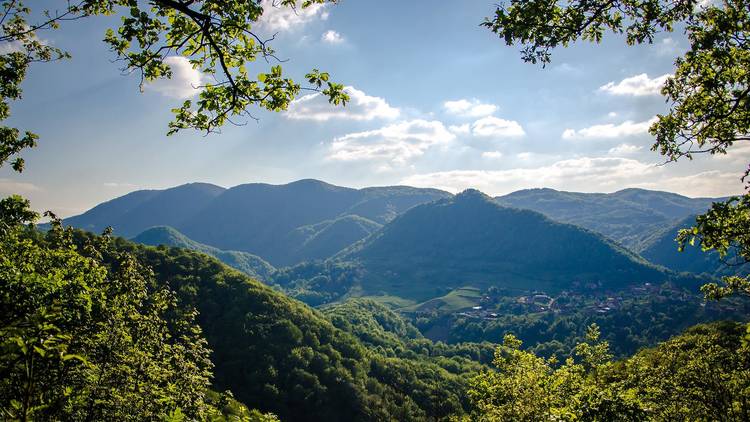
point(216, 37)
point(702, 374)
point(279, 355)
point(81, 341)
point(708, 94)
point(22, 47)
point(530, 388)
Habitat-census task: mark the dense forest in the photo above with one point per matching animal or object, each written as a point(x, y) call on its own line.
point(206, 322)
point(308, 301)
point(156, 331)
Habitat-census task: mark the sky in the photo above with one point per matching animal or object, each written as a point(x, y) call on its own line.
point(436, 101)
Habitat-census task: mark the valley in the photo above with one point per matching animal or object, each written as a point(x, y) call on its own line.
point(465, 267)
point(331, 211)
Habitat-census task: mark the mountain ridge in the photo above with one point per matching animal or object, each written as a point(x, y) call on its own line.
point(280, 223)
point(252, 265)
point(256, 218)
point(627, 216)
point(661, 249)
point(470, 240)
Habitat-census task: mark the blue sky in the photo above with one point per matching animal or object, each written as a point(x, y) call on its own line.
point(436, 101)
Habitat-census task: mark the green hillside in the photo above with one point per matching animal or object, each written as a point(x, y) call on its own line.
point(661, 248)
point(456, 300)
point(283, 224)
point(259, 218)
point(469, 240)
point(249, 264)
point(276, 354)
point(325, 239)
point(380, 328)
point(137, 211)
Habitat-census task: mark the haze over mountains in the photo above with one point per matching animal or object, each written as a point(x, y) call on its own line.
point(628, 216)
point(277, 222)
point(660, 249)
point(250, 264)
point(423, 237)
point(137, 211)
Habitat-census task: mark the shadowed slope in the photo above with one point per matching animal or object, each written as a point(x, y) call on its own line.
point(469, 240)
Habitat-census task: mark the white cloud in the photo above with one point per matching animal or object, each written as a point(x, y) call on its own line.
point(566, 68)
point(492, 155)
point(332, 37)
point(583, 172)
point(706, 3)
point(361, 107)
point(118, 185)
point(11, 47)
point(397, 144)
point(495, 127)
point(667, 47)
point(15, 46)
point(624, 149)
point(184, 81)
point(524, 155)
point(14, 187)
point(469, 108)
point(738, 154)
point(609, 130)
point(460, 130)
point(638, 85)
point(611, 114)
point(281, 18)
point(710, 183)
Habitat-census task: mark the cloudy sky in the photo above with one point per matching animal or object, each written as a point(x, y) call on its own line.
point(436, 101)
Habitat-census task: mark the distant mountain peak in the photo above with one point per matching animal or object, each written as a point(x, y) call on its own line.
point(309, 182)
point(472, 195)
point(470, 240)
point(201, 184)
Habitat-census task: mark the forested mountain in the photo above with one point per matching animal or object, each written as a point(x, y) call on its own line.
point(323, 240)
point(140, 210)
point(283, 224)
point(627, 216)
point(249, 264)
point(661, 248)
point(470, 240)
point(277, 354)
point(259, 218)
point(310, 219)
point(356, 360)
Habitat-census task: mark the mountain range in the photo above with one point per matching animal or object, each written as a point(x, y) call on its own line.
point(416, 234)
point(283, 224)
point(470, 240)
point(661, 248)
point(137, 211)
point(628, 216)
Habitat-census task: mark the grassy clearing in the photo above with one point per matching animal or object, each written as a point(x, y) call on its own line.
point(456, 300)
point(393, 302)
